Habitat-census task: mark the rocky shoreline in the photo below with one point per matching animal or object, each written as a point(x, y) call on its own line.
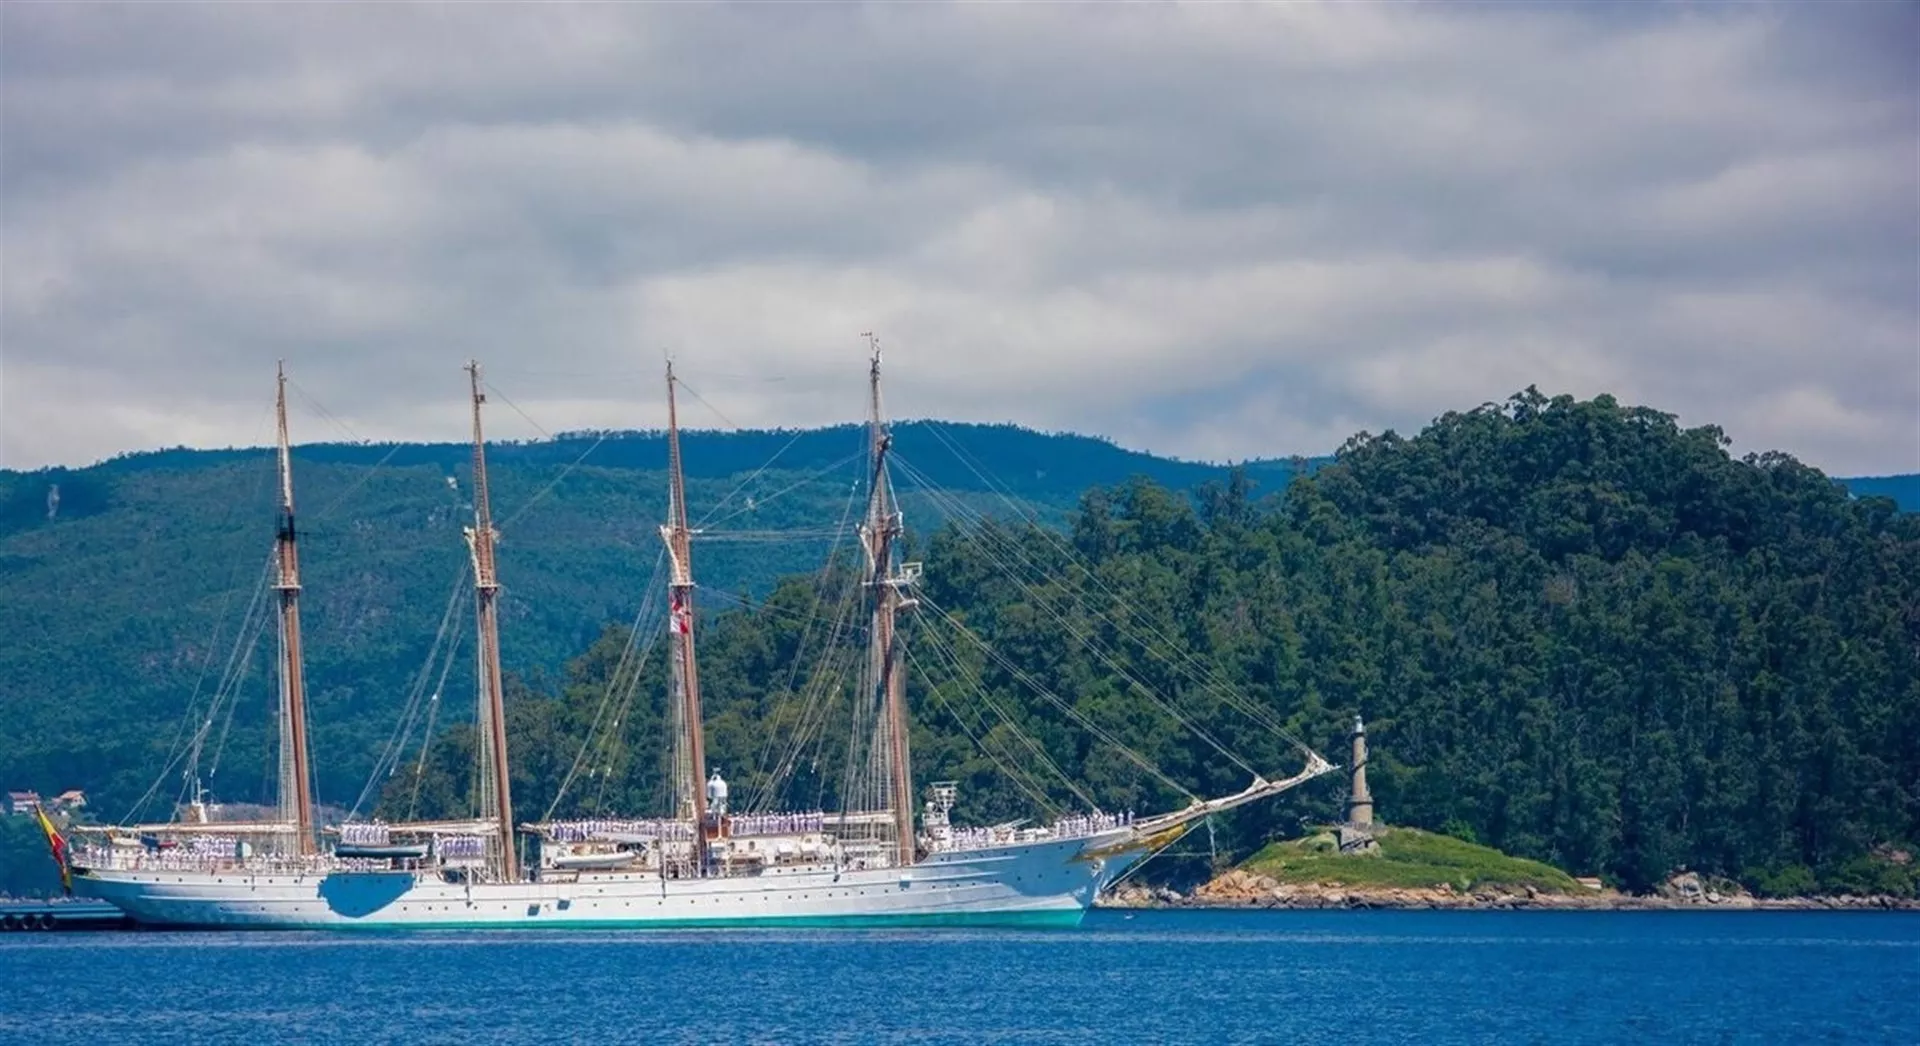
point(1244, 890)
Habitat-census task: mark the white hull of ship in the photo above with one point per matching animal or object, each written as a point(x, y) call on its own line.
point(1049, 882)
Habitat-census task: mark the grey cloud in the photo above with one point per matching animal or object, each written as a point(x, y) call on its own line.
point(1224, 230)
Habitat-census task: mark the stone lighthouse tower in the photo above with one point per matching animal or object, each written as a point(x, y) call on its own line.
point(1359, 800)
point(1356, 834)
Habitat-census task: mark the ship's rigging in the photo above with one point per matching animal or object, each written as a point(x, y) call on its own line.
point(868, 628)
point(855, 674)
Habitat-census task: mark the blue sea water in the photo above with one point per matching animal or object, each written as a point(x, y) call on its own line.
point(1294, 978)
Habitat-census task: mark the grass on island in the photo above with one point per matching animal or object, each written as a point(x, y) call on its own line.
point(1408, 858)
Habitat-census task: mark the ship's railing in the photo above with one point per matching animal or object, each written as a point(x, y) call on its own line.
point(1078, 826)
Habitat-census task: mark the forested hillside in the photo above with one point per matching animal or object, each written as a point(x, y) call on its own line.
point(1577, 631)
point(1598, 640)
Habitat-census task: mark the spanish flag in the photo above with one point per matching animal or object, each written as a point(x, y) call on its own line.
point(58, 845)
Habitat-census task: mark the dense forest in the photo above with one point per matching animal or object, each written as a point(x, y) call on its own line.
point(1578, 632)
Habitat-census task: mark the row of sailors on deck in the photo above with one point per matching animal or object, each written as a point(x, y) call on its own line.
point(744, 824)
point(378, 833)
point(365, 833)
point(189, 852)
point(460, 846)
point(973, 838)
point(777, 824)
point(1090, 824)
point(602, 828)
point(210, 846)
point(1065, 828)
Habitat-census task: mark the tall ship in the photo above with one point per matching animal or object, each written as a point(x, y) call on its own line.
point(888, 855)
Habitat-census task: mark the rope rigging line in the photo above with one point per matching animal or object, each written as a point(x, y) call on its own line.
point(426, 732)
point(761, 793)
point(810, 477)
point(603, 749)
point(818, 697)
point(790, 536)
point(522, 509)
point(184, 740)
point(981, 531)
point(717, 412)
point(515, 407)
point(245, 665)
point(554, 482)
point(1055, 699)
point(742, 485)
point(1019, 780)
point(817, 701)
point(226, 692)
point(441, 650)
point(1206, 675)
point(831, 669)
point(628, 668)
point(1032, 745)
point(861, 781)
point(187, 716)
point(366, 476)
point(313, 403)
point(1107, 658)
point(965, 675)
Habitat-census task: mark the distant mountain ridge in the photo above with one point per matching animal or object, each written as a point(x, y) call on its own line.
point(1904, 490)
point(1029, 458)
point(1050, 467)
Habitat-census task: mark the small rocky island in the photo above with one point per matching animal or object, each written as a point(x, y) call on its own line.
point(1361, 863)
point(1412, 869)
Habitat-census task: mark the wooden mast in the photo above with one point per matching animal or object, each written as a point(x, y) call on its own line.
point(486, 587)
point(882, 527)
point(686, 668)
point(296, 778)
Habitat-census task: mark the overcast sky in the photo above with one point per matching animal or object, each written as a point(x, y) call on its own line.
point(1218, 231)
